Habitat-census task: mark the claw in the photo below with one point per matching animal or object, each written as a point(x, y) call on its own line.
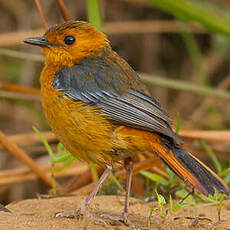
point(72, 214)
point(122, 218)
point(97, 220)
point(4, 209)
point(78, 213)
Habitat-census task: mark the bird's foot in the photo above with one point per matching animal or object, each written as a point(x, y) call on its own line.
point(73, 214)
point(80, 212)
point(122, 218)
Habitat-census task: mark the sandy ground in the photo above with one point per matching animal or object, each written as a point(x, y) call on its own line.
point(38, 214)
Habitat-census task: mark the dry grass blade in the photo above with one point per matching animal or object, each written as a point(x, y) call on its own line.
point(16, 96)
point(16, 38)
point(223, 136)
point(28, 139)
point(63, 9)
point(136, 27)
point(18, 88)
point(143, 165)
point(37, 2)
point(24, 174)
point(133, 27)
point(24, 158)
point(80, 181)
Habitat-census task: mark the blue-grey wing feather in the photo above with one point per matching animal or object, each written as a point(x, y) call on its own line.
point(88, 82)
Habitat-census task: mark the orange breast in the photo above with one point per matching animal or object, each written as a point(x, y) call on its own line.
point(83, 130)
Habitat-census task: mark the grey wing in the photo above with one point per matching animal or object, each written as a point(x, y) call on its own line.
point(132, 108)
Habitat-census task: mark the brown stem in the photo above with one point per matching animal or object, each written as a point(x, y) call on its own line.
point(37, 2)
point(24, 158)
point(11, 87)
point(129, 173)
point(63, 9)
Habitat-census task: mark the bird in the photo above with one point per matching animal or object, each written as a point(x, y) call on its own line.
point(102, 112)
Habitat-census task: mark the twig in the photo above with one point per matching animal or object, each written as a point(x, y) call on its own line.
point(41, 14)
point(24, 158)
point(64, 11)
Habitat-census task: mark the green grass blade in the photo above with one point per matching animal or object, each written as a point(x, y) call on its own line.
point(178, 123)
point(185, 86)
point(61, 157)
point(51, 154)
point(66, 163)
point(220, 206)
point(154, 177)
point(115, 180)
point(93, 167)
point(194, 12)
point(94, 15)
point(195, 54)
point(212, 155)
point(44, 141)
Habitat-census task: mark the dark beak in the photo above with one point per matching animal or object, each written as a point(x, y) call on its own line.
point(38, 41)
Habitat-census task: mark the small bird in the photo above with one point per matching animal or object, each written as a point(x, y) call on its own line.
point(102, 112)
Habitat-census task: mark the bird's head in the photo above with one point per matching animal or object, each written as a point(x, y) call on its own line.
point(70, 42)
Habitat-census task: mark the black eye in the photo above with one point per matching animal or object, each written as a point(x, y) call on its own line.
point(69, 40)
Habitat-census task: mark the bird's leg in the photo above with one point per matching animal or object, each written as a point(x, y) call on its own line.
point(96, 188)
point(84, 208)
point(124, 215)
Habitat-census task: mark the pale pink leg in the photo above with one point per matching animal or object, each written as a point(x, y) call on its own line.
point(124, 215)
point(84, 208)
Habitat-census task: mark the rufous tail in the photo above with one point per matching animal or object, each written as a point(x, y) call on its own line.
point(190, 169)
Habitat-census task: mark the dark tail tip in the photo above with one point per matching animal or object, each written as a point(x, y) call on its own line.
point(207, 178)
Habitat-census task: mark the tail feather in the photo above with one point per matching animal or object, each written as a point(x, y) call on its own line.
point(189, 168)
point(206, 177)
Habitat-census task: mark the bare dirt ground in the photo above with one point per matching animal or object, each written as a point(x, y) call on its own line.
point(38, 214)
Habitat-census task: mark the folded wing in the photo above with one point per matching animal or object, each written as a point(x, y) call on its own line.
point(100, 82)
